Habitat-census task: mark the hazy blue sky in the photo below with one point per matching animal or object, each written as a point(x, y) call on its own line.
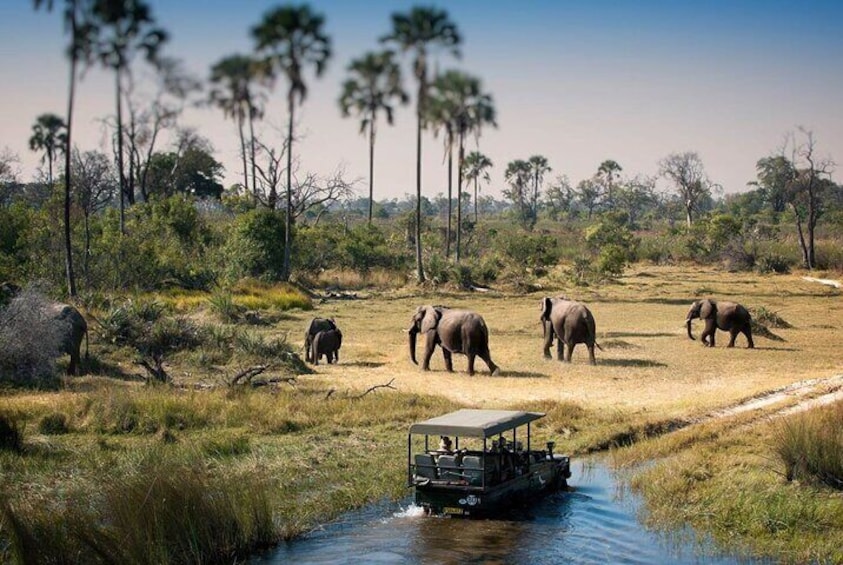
point(578, 82)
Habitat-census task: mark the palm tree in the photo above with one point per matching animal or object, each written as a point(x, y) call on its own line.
point(374, 84)
point(81, 32)
point(442, 113)
point(519, 174)
point(538, 167)
point(418, 31)
point(49, 134)
point(459, 106)
point(233, 90)
point(474, 168)
point(292, 37)
point(476, 109)
point(607, 171)
point(125, 28)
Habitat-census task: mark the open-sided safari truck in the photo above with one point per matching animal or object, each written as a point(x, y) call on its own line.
point(487, 466)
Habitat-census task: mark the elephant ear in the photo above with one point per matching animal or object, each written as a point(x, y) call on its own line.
point(546, 306)
point(708, 309)
point(431, 318)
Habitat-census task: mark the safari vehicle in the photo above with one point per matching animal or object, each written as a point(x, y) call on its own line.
point(492, 472)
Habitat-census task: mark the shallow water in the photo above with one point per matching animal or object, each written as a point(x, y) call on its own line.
point(595, 522)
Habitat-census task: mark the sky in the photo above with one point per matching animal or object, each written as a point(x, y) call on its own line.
point(578, 82)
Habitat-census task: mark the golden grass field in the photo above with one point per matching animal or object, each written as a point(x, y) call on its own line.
point(648, 366)
point(252, 444)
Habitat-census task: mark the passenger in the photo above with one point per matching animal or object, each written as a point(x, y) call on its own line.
point(445, 445)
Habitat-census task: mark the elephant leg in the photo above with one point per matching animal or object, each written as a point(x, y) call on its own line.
point(747, 331)
point(708, 333)
point(449, 360)
point(733, 333)
point(487, 358)
point(591, 358)
point(337, 356)
point(548, 338)
point(471, 356)
point(73, 367)
point(569, 351)
point(308, 357)
point(429, 346)
point(559, 344)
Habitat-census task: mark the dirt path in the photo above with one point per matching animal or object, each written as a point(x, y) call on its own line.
point(808, 393)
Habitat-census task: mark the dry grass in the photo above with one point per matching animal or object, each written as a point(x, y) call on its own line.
point(658, 372)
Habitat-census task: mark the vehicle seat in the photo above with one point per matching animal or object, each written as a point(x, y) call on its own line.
point(448, 468)
point(473, 469)
point(425, 466)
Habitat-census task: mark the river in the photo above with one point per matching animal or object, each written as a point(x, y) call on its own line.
point(595, 522)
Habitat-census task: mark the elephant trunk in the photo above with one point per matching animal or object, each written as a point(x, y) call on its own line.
point(413, 332)
point(688, 325)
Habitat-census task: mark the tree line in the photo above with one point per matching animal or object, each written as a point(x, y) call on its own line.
point(290, 47)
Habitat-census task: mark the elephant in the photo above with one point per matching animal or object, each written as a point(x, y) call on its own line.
point(327, 343)
point(727, 316)
point(572, 323)
point(314, 326)
point(74, 328)
point(455, 331)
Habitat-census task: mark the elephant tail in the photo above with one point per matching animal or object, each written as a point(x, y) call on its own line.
point(597, 345)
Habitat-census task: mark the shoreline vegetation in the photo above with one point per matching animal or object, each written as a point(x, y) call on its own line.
point(111, 467)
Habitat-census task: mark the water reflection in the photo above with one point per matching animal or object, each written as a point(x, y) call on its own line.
point(593, 523)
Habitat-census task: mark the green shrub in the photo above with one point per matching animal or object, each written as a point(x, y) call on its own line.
point(255, 247)
point(523, 249)
point(773, 263)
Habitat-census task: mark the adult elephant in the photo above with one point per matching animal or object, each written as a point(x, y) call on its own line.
point(572, 323)
point(720, 314)
point(73, 329)
point(314, 326)
point(455, 331)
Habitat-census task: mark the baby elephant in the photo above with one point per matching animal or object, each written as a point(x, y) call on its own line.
point(727, 316)
point(327, 343)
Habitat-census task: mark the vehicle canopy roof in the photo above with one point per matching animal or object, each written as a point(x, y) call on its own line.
point(475, 423)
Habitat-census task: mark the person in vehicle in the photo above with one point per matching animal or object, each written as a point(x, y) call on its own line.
point(445, 445)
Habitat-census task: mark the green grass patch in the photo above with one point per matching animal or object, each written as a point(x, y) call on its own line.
point(810, 446)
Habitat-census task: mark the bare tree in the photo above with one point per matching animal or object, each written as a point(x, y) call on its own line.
point(559, 196)
point(94, 187)
point(686, 172)
point(150, 114)
point(805, 191)
point(314, 194)
point(9, 172)
point(269, 163)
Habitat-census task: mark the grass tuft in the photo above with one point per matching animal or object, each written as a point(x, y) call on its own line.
point(810, 446)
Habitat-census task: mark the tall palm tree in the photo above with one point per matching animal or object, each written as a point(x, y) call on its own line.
point(125, 28)
point(538, 168)
point(49, 134)
point(233, 87)
point(442, 110)
point(475, 168)
point(476, 110)
point(292, 38)
point(374, 85)
point(518, 174)
point(607, 171)
point(78, 25)
point(418, 31)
